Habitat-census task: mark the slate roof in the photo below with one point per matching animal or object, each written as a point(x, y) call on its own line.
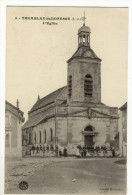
point(31, 122)
point(50, 98)
point(14, 110)
point(84, 52)
point(84, 29)
point(36, 119)
point(124, 107)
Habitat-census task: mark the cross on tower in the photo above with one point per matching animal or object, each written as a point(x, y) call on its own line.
point(84, 18)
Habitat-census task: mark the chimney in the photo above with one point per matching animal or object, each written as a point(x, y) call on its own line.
point(17, 104)
point(38, 97)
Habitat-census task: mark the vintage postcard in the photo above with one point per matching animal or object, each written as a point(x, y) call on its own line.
point(66, 100)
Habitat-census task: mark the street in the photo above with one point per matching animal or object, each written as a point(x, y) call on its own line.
point(78, 176)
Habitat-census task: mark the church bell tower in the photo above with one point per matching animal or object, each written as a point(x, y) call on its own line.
point(84, 71)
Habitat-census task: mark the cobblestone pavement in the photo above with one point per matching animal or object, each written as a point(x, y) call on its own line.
point(32, 169)
point(17, 170)
point(20, 169)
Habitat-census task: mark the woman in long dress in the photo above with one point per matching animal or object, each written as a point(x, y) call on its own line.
point(78, 154)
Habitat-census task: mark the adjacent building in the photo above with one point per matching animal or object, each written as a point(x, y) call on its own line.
point(123, 130)
point(74, 114)
point(13, 130)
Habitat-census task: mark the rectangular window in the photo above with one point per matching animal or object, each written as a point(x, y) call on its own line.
point(6, 121)
point(7, 140)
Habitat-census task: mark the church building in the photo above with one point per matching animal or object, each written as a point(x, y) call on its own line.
point(74, 114)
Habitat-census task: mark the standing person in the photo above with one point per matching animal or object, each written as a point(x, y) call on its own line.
point(51, 147)
point(65, 152)
point(47, 148)
point(60, 152)
point(113, 151)
point(84, 151)
point(37, 149)
point(56, 150)
point(33, 149)
point(97, 150)
point(43, 150)
point(105, 150)
point(78, 152)
point(40, 148)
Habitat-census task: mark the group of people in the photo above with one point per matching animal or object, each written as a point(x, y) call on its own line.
point(81, 151)
point(48, 150)
point(63, 152)
point(38, 149)
point(105, 150)
point(97, 151)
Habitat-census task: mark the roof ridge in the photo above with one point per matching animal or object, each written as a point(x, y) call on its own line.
point(14, 106)
point(39, 102)
point(51, 93)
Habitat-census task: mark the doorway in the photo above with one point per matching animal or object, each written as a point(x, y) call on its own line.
point(88, 136)
point(88, 141)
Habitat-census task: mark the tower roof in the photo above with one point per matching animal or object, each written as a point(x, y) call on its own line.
point(84, 29)
point(85, 53)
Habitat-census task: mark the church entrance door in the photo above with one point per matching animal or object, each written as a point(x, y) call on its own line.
point(88, 136)
point(88, 141)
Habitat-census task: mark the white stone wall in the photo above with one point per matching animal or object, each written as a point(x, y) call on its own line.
point(15, 136)
point(122, 132)
point(13, 152)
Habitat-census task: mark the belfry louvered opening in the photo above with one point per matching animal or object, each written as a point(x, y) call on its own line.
point(70, 86)
point(88, 86)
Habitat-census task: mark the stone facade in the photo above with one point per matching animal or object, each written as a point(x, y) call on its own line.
point(123, 130)
point(13, 130)
point(74, 115)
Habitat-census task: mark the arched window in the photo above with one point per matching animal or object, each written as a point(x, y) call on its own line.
point(87, 39)
point(30, 137)
point(51, 134)
point(88, 86)
point(69, 86)
point(40, 137)
point(45, 136)
point(88, 128)
point(80, 38)
point(35, 137)
point(83, 38)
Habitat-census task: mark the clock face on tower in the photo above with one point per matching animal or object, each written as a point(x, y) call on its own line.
point(88, 54)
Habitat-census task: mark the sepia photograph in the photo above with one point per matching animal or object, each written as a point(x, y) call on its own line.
point(66, 87)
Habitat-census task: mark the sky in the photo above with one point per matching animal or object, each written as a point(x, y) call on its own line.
point(36, 53)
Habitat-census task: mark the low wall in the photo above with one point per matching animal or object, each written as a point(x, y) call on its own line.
point(13, 152)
